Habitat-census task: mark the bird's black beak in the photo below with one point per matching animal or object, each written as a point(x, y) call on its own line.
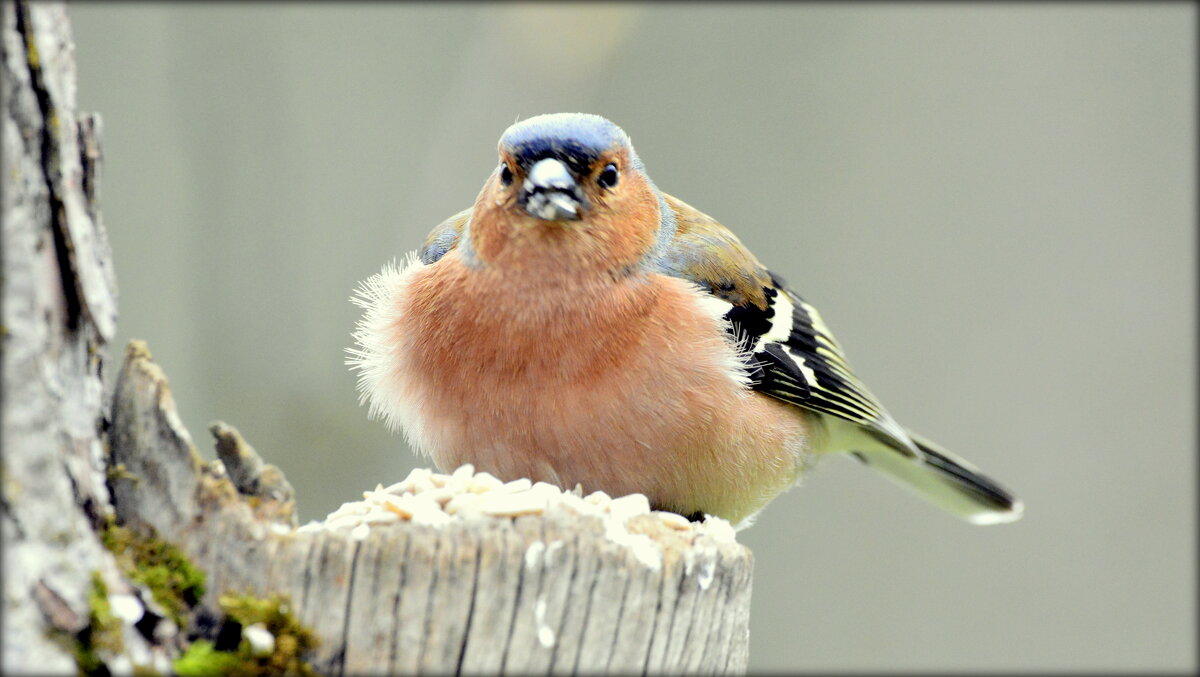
point(551, 193)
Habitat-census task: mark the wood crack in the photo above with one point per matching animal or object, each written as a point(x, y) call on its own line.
point(430, 611)
point(339, 668)
point(562, 619)
point(50, 166)
point(512, 622)
point(395, 644)
point(658, 605)
point(679, 592)
point(630, 573)
point(587, 613)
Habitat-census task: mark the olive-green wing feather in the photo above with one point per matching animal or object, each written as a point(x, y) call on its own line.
point(792, 354)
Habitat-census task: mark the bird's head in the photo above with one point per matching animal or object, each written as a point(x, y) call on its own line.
point(568, 183)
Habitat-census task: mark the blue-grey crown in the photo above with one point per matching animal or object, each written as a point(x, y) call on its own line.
point(577, 139)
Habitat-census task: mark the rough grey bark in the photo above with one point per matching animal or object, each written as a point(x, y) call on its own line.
point(59, 312)
point(538, 593)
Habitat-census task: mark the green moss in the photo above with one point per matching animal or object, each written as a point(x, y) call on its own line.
point(31, 53)
point(101, 634)
point(292, 641)
point(202, 659)
point(117, 471)
point(177, 585)
point(103, 631)
point(104, 628)
point(145, 671)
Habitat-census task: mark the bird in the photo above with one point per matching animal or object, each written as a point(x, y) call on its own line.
point(578, 326)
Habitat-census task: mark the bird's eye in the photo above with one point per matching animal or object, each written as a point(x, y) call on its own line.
point(608, 177)
point(505, 174)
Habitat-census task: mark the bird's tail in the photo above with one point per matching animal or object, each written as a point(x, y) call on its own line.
point(946, 481)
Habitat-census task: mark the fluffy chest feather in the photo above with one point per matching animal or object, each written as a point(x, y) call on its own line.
point(555, 350)
point(626, 385)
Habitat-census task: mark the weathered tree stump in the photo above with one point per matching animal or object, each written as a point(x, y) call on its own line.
point(539, 593)
point(88, 473)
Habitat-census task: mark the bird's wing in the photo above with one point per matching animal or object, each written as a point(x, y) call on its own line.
point(792, 355)
point(444, 237)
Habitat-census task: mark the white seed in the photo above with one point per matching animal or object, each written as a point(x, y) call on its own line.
point(260, 639)
point(576, 504)
point(381, 516)
point(511, 505)
point(482, 482)
point(419, 479)
point(534, 553)
point(120, 664)
point(430, 516)
point(647, 551)
point(343, 522)
point(424, 502)
point(720, 529)
point(598, 498)
point(401, 507)
point(545, 489)
point(435, 499)
point(629, 506)
point(643, 547)
point(441, 495)
point(522, 484)
point(376, 496)
point(670, 519)
point(126, 607)
point(398, 488)
point(463, 472)
point(349, 508)
point(463, 503)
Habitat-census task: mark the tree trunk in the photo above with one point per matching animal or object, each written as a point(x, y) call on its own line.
point(95, 483)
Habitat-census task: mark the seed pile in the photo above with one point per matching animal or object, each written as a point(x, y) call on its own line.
point(436, 499)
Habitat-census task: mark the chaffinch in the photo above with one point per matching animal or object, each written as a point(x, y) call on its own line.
point(578, 325)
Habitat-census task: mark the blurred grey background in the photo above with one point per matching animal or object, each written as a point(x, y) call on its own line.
point(993, 206)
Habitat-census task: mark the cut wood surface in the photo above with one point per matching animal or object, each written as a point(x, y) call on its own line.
point(538, 590)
